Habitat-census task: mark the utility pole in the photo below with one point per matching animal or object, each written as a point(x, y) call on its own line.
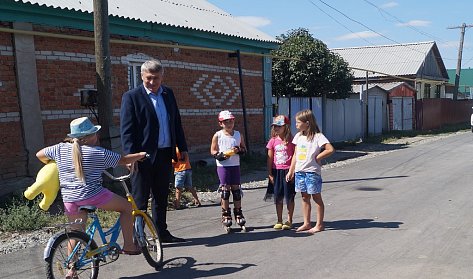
point(459, 61)
point(103, 70)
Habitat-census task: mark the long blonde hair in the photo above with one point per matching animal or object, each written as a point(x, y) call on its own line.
point(308, 116)
point(77, 154)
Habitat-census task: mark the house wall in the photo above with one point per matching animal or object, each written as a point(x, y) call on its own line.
point(13, 155)
point(204, 83)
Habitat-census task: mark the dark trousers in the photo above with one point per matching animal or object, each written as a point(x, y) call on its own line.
point(154, 177)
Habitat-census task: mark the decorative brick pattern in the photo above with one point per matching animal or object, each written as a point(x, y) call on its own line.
point(204, 83)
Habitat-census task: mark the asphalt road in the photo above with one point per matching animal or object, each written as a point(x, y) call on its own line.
point(405, 214)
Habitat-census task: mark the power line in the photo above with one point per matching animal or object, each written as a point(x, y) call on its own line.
point(381, 10)
point(344, 26)
point(369, 28)
point(459, 62)
point(435, 38)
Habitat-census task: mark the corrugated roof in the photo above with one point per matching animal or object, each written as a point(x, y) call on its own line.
point(396, 60)
point(191, 14)
point(388, 86)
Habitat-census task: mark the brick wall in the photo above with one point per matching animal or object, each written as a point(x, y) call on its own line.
point(204, 83)
point(13, 155)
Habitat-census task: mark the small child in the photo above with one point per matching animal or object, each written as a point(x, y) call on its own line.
point(226, 148)
point(311, 147)
point(81, 162)
point(183, 180)
point(280, 152)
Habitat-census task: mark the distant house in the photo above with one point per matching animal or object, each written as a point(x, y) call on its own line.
point(465, 88)
point(418, 64)
point(47, 58)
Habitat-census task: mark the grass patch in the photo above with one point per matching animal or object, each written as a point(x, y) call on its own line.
point(22, 215)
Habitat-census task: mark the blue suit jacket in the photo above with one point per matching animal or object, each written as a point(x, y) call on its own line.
point(139, 126)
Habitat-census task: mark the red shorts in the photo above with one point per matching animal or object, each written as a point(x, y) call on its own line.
point(103, 197)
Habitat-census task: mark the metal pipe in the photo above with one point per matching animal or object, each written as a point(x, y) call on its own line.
point(243, 106)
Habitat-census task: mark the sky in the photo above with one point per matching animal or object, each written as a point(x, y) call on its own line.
point(350, 23)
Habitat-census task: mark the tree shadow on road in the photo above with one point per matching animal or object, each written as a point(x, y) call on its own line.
point(187, 267)
point(359, 224)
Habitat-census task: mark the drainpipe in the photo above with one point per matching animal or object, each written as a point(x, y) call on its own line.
point(240, 74)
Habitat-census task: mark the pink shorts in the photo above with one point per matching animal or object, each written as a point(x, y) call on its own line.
point(103, 197)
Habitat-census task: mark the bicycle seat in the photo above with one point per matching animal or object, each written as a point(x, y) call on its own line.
point(88, 208)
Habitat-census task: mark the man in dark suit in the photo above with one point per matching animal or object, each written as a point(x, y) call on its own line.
point(150, 121)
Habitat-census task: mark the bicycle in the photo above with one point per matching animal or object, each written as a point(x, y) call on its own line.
point(75, 254)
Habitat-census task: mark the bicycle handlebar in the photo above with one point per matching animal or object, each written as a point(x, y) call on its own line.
point(124, 177)
point(117, 178)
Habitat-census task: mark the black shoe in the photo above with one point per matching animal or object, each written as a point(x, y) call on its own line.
point(169, 238)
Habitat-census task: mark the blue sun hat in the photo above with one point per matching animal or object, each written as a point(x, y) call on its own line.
point(82, 127)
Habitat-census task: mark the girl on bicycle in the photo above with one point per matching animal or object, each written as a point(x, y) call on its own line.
point(80, 163)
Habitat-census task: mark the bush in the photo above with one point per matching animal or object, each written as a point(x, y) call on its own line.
point(21, 215)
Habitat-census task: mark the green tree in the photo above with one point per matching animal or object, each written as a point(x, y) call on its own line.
point(305, 67)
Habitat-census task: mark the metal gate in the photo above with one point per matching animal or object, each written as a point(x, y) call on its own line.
point(402, 113)
point(375, 115)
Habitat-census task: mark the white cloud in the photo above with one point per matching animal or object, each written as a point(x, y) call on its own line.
point(357, 35)
point(415, 23)
point(389, 5)
point(254, 21)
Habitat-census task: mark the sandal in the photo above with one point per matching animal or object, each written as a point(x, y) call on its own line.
point(287, 225)
point(278, 226)
point(72, 274)
point(130, 253)
point(194, 204)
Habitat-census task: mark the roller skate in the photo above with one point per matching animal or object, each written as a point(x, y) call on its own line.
point(239, 218)
point(226, 219)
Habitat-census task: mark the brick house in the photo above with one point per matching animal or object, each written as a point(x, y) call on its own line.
point(47, 57)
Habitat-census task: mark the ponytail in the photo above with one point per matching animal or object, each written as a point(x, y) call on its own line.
point(77, 159)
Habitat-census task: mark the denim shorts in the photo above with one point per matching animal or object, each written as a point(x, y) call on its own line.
point(308, 182)
point(183, 179)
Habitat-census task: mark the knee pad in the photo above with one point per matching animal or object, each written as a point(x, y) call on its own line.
point(236, 195)
point(225, 194)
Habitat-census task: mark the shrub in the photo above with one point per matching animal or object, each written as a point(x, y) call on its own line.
point(22, 215)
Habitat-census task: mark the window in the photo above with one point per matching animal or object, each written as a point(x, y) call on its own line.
point(426, 91)
point(437, 90)
point(134, 75)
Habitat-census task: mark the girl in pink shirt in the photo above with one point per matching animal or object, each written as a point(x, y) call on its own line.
point(280, 152)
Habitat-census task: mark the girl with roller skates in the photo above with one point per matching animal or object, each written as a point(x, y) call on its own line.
point(226, 148)
point(280, 152)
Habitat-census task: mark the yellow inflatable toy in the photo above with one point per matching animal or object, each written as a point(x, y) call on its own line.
point(229, 152)
point(47, 182)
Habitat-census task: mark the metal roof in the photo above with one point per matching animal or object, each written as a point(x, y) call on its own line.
point(388, 86)
point(190, 14)
point(396, 60)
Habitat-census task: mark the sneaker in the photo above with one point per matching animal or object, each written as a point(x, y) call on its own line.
point(287, 226)
point(278, 226)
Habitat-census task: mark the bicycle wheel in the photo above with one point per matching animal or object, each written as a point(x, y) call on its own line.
point(150, 245)
point(65, 258)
